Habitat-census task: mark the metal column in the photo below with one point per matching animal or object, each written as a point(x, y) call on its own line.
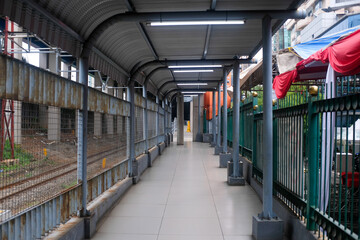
point(225, 111)
point(146, 119)
point(236, 101)
point(131, 93)
point(198, 134)
point(165, 120)
point(199, 115)
point(157, 120)
point(180, 117)
point(267, 120)
point(213, 121)
point(218, 143)
point(83, 75)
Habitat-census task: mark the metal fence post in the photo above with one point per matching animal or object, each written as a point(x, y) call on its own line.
point(312, 165)
point(254, 143)
point(83, 76)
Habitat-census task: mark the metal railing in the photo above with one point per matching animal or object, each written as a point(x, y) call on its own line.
point(316, 155)
point(41, 183)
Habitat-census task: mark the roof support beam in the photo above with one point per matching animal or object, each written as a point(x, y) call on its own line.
point(110, 61)
point(71, 32)
point(147, 79)
point(207, 38)
point(54, 19)
point(142, 67)
point(189, 90)
point(185, 81)
point(130, 6)
point(294, 5)
point(213, 5)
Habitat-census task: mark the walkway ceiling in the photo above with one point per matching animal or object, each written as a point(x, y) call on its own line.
point(128, 42)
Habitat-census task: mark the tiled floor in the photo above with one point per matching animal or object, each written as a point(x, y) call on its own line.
point(184, 196)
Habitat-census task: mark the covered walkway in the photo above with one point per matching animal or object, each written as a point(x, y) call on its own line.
point(183, 196)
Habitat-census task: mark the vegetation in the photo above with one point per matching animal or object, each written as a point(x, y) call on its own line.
point(69, 185)
point(24, 157)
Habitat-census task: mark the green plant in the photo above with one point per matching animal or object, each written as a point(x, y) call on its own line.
point(69, 185)
point(24, 157)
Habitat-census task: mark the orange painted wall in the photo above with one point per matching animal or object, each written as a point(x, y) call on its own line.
point(208, 97)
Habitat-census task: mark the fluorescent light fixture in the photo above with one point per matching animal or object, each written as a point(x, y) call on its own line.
point(196, 66)
point(193, 23)
point(190, 71)
point(190, 95)
point(192, 84)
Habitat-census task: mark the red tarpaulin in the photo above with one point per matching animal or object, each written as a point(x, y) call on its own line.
point(343, 56)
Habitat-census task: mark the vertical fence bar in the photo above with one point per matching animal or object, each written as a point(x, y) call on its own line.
point(312, 168)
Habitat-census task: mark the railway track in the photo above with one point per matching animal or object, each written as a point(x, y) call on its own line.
point(91, 160)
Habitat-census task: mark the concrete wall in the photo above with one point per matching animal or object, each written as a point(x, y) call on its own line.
point(317, 26)
point(153, 153)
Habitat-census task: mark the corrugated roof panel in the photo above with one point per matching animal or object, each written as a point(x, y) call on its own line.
point(83, 15)
point(123, 43)
point(234, 40)
point(171, 5)
point(178, 42)
point(252, 5)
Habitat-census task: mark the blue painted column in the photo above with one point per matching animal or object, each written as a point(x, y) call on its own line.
point(236, 114)
point(267, 119)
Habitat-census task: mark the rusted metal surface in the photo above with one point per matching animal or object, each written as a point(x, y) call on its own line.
point(139, 101)
point(161, 111)
point(139, 148)
point(24, 82)
point(152, 106)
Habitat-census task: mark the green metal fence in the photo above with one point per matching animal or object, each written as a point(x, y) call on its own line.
point(246, 126)
point(316, 154)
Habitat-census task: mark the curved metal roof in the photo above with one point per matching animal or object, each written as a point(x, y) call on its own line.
point(123, 46)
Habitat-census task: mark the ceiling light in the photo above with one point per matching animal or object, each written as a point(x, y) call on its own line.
point(192, 84)
point(192, 23)
point(196, 66)
point(190, 95)
point(189, 71)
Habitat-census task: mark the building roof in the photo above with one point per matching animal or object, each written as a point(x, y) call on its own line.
point(123, 44)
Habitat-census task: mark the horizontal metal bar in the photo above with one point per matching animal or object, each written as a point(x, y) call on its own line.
point(208, 15)
point(206, 61)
